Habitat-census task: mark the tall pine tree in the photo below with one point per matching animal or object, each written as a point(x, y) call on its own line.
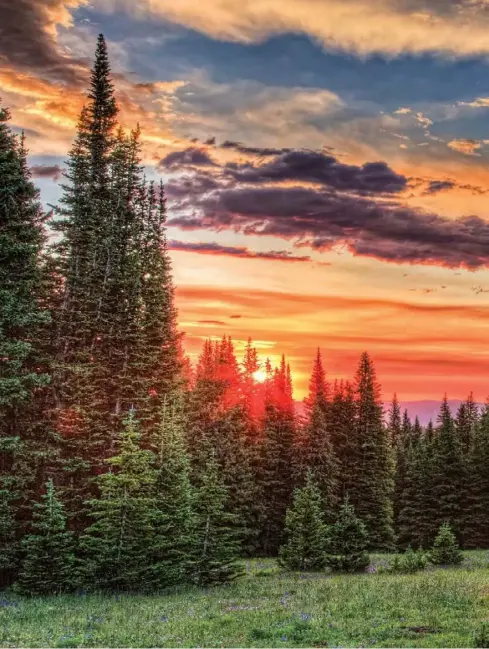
point(277, 475)
point(371, 494)
point(117, 546)
point(49, 560)
point(305, 529)
point(217, 547)
point(117, 343)
point(175, 521)
point(449, 474)
point(23, 371)
point(477, 525)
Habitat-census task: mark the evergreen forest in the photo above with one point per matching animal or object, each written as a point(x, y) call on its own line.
point(124, 467)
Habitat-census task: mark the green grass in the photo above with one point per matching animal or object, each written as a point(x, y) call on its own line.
point(268, 608)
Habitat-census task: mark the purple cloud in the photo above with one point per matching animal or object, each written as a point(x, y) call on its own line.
point(47, 171)
point(235, 251)
point(191, 157)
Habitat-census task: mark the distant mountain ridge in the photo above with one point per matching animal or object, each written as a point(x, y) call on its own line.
point(424, 409)
point(427, 409)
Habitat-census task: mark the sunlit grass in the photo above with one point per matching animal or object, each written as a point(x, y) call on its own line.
point(267, 608)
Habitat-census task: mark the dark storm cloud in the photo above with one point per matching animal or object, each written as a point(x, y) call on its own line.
point(191, 157)
point(293, 165)
point(322, 219)
point(27, 44)
point(326, 203)
point(47, 171)
point(183, 189)
point(235, 251)
point(321, 168)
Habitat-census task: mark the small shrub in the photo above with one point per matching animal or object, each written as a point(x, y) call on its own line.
point(266, 572)
point(480, 638)
point(445, 550)
point(347, 542)
point(305, 530)
point(409, 562)
point(48, 563)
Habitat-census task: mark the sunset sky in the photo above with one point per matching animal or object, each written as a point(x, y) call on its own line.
point(326, 164)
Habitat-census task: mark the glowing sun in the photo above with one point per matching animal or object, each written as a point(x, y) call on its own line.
point(260, 376)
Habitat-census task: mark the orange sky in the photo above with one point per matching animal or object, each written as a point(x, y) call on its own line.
point(404, 82)
point(422, 343)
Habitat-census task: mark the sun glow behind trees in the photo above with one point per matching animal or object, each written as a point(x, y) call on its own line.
point(137, 442)
point(260, 376)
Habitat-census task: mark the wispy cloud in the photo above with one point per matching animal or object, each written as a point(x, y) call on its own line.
point(235, 251)
point(478, 102)
point(469, 147)
point(389, 27)
point(47, 171)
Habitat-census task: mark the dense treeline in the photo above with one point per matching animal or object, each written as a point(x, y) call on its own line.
point(123, 468)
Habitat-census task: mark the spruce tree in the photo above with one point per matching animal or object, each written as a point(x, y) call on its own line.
point(417, 430)
point(9, 541)
point(175, 500)
point(23, 368)
point(278, 460)
point(218, 426)
point(450, 478)
point(116, 548)
point(117, 343)
point(205, 406)
point(319, 459)
point(406, 485)
point(305, 530)
point(445, 550)
point(217, 547)
point(372, 491)
point(466, 423)
point(318, 386)
point(252, 402)
point(314, 446)
point(401, 480)
point(229, 442)
point(85, 221)
point(47, 568)
point(347, 541)
point(160, 357)
point(477, 524)
point(341, 425)
point(395, 422)
point(413, 495)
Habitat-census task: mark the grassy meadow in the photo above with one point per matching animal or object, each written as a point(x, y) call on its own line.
point(270, 608)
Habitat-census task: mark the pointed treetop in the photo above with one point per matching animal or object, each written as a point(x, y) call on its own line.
point(366, 383)
point(395, 425)
point(103, 108)
point(445, 416)
point(250, 361)
point(318, 387)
